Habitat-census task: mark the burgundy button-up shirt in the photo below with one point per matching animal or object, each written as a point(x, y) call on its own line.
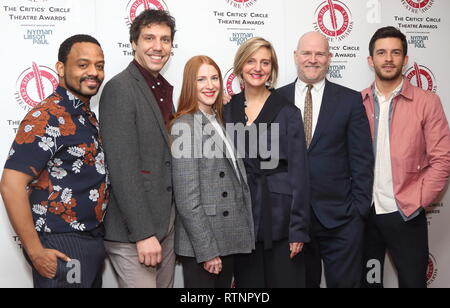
point(162, 90)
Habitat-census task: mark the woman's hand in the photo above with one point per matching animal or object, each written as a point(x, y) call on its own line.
point(295, 249)
point(213, 266)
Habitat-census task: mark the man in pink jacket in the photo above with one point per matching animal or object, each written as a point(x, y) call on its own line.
point(412, 149)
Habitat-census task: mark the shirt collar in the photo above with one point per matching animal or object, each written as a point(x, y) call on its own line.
point(159, 80)
point(393, 94)
point(210, 117)
point(67, 96)
point(302, 86)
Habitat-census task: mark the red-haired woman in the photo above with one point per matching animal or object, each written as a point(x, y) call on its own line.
point(214, 215)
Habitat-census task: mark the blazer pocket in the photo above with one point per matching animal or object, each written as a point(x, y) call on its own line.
point(210, 209)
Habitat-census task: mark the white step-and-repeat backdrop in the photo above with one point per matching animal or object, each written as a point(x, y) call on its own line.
point(32, 31)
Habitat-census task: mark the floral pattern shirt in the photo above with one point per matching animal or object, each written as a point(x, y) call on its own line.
point(58, 144)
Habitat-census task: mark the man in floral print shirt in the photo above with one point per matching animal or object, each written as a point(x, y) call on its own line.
point(55, 184)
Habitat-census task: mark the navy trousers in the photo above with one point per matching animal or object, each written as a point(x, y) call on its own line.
point(87, 252)
point(270, 268)
point(340, 249)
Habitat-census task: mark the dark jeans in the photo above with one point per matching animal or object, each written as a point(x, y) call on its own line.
point(407, 244)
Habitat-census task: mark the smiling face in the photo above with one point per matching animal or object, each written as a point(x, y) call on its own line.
point(208, 87)
point(257, 70)
point(83, 72)
point(153, 47)
point(388, 59)
point(312, 58)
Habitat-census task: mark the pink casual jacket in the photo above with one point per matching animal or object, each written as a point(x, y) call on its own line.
point(420, 146)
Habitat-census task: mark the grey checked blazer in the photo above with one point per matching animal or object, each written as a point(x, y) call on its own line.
point(137, 152)
point(214, 214)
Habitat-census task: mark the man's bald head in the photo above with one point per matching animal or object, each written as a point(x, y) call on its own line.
point(312, 57)
point(314, 36)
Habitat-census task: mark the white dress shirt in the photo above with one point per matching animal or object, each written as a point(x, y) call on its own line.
point(383, 189)
point(301, 89)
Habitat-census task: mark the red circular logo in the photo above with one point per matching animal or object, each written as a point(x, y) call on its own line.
point(418, 4)
point(232, 84)
point(241, 3)
point(334, 20)
point(136, 7)
point(422, 77)
point(432, 270)
point(35, 84)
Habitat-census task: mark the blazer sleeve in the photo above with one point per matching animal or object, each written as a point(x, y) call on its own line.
point(361, 158)
point(437, 138)
point(187, 189)
point(298, 172)
point(120, 139)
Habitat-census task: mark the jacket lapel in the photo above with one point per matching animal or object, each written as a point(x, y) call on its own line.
point(327, 110)
point(218, 142)
point(150, 98)
point(290, 92)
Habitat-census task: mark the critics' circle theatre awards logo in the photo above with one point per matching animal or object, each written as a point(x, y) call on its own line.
point(232, 84)
point(417, 6)
point(334, 20)
point(422, 77)
point(432, 270)
point(136, 7)
point(34, 85)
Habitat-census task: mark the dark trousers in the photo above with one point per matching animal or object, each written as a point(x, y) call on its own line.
point(407, 244)
point(270, 268)
point(87, 252)
point(340, 249)
point(195, 276)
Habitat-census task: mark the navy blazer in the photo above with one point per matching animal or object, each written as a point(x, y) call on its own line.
point(341, 161)
point(284, 190)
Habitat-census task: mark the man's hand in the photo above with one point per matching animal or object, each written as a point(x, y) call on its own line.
point(213, 266)
point(295, 249)
point(149, 252)
point(46, 262)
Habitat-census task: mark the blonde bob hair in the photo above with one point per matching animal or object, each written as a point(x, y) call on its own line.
point(247, 50)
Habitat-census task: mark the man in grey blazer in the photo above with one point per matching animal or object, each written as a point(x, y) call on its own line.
point(136, 107)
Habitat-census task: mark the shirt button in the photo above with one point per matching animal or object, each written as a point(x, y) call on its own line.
point(158, 83)
point(168, 163)
point(222, 174)
point(226, 213)
point(169, 189)
point(153, 87)
point(162, 100)
point(225, 194)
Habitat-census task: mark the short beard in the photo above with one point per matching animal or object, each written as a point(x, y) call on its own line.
point(78, 93)
point(394, 77)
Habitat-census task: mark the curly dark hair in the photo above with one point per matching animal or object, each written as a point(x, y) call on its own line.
point(149, 17)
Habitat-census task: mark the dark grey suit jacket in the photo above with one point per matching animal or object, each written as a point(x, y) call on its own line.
point(137, 152)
